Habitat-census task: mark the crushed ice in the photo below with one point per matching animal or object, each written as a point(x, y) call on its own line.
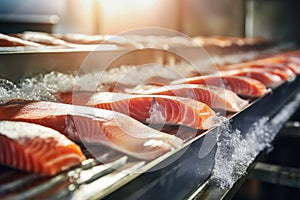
point(156, 116)
point(236, 151)
point(45, 86)
point(40, 87)
point(135, 75)
point(215, 120)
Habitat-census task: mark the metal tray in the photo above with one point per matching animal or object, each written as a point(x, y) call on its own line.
point(20, 62)
point(174, 175)
point(177, 180)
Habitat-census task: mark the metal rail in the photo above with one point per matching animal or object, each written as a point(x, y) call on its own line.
point(276, 174)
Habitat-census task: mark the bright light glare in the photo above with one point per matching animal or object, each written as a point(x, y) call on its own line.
point(122, 15)
point(111, 5)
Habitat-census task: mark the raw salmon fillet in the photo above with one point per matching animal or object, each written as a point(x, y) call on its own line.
point(86, 124)
point(240, 85)
point(268, 78)
point(36, 148)
point(9, 41)
point(283, 62)
point(290, 61)
point(151, 109)
point(214, 97)
point(285, 73)
point(74, 97)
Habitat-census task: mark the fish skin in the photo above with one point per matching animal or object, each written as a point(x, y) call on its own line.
point(86, 124)
point(240, 85)
point(35, 148)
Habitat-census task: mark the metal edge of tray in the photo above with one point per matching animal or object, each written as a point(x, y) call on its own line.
point(210, 190)
point(187, 171)
point(16, 65)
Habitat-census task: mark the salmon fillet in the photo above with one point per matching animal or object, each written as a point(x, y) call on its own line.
point(36, 148)
point(86, 124)
point(41, 38)
point(268, 78)
point(151, 109)
point(288, 62)
point(240, 85)
point(9, 41)
point(214, 97)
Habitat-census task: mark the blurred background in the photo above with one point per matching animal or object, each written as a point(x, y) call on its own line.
point(272, 19)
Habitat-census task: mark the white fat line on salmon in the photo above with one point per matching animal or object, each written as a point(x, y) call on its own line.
point(155, 114)
point(236, 151)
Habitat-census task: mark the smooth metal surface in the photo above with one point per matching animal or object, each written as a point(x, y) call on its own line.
point(292, 130)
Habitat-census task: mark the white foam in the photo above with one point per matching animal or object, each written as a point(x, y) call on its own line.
point(235, 152)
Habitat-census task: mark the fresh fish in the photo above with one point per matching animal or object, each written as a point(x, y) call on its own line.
point(240, 85)
point(290, 61)
point(268, 78)
point(284, 72)
point(74, 97)
point(292, 53)
point(36, 148)
point(41, 38)
point(86, 124)
point(283, 62)
point(154, 109)
point(9, 41)
point(214, 97)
